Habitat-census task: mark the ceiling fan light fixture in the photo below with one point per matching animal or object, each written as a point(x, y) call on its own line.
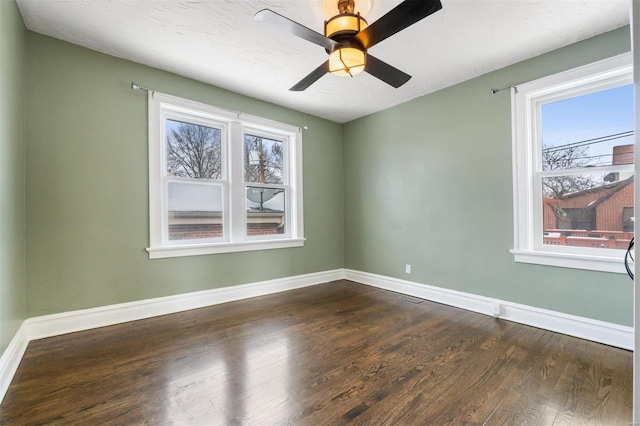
point(347, 61)
point(347, 38)
point(345, 23)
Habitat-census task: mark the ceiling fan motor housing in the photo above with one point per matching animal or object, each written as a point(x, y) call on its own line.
point(343, 27)
point(348, 56)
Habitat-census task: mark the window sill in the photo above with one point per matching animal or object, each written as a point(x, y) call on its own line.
point(575, 261)
point(197, 250)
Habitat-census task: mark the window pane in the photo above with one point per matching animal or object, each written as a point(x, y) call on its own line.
point(590, 130)
point(193, 151)
point(588, 210)
point(265, 211)
point(195, 211)
point(263, 160)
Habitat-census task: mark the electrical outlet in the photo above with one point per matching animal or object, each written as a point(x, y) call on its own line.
point(497, 310)
point(407, 269)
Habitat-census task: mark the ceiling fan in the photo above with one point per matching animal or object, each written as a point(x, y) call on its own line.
point(347, 37)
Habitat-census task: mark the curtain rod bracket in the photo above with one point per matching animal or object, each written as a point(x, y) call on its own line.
point(513, 86)
point(135, 86)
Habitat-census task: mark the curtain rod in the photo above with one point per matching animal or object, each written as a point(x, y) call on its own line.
point(136, 86)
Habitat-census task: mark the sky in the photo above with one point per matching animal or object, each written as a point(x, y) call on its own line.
point(590, 116)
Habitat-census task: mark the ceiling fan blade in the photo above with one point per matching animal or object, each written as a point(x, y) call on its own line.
point(385, 72)
point(400, 17)
point(311, 78)
point(277, 20)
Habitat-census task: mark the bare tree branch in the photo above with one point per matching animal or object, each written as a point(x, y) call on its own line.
point(194, 151)
point(562, 159)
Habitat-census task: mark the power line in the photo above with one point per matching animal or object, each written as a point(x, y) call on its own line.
point(593, 156)
point(587, 142)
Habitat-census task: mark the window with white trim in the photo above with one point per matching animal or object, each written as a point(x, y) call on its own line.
point(221, 181)
point(573, 154)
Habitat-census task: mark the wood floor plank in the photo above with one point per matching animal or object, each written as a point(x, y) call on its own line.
point(339, 353)
point(533, 376)
point(596, 387)
point(618, 365)
point(430, 379)
point(492, 376)
point(481, 406)
point(568, 389)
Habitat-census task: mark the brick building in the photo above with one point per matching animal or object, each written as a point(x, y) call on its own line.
point(586, 218)
point(194, 224)
point(606, 208)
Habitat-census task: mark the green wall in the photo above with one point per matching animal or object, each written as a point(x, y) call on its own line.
point(429, 183)
point(12, 172)
point(87, 186)
point(426, 183)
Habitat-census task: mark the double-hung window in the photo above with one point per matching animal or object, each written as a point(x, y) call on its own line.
point(573, 154)
point(221, 181)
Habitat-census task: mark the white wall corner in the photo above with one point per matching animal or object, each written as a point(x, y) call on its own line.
point(572, 325)
point(11, 358)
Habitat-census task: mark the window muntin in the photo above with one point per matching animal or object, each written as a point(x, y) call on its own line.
point(207, 168)
point(573, 166)
point(579, 136)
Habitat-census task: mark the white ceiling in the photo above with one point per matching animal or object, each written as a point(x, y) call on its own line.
point(219, 42)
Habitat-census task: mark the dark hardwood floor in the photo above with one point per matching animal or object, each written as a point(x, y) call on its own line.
point(330, 354)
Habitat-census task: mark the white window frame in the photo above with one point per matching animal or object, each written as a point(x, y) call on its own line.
point(526, 100)
point(233, 126)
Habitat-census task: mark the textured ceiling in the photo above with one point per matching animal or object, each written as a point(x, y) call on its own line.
point(219, 42)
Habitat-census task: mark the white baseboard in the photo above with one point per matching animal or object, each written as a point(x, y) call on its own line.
point(11, 358)
point(572, 325)
point(85, 319)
